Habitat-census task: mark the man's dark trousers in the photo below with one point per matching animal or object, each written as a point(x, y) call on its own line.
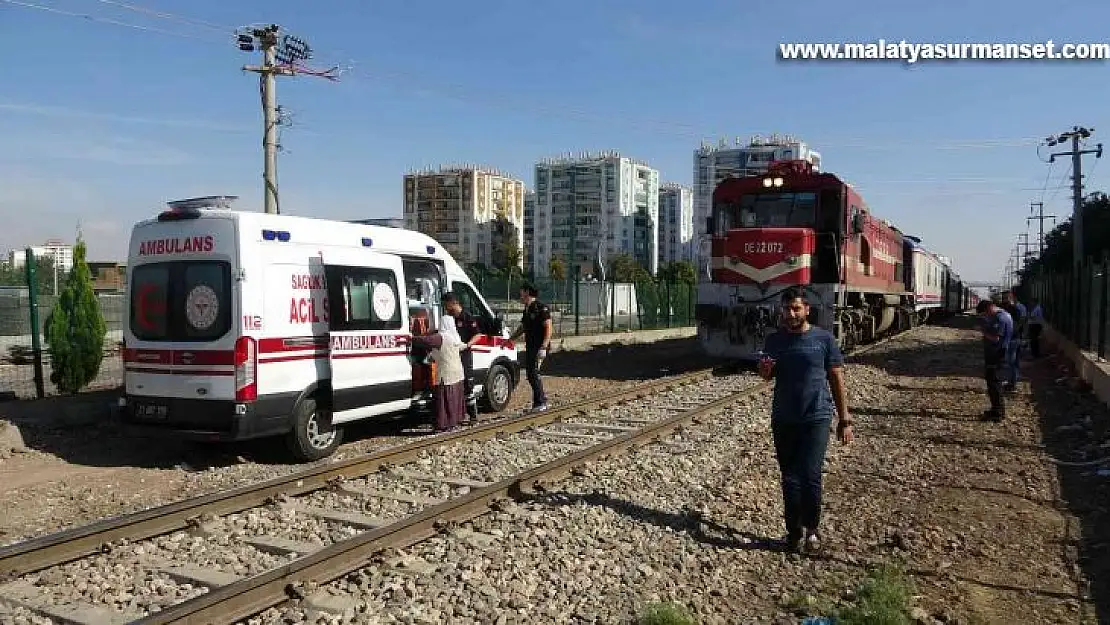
point(532, 370)
point(467, 357)
point(1035, 339)
point(800, 449)
point(993, 359)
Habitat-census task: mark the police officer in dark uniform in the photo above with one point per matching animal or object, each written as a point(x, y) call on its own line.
point(469, 331)
point(535, 325)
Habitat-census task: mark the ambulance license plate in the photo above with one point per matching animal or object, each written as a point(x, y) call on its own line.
point(151, 411)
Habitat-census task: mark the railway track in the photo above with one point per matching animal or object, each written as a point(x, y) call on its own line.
point(227, 556)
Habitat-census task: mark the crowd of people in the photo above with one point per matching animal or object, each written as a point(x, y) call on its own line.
point(1006, 325)
point(449, 348)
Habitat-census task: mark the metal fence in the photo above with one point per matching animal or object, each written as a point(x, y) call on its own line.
point(1075, 303)
point(577, 309)
point(17, 371)
point(592, 307)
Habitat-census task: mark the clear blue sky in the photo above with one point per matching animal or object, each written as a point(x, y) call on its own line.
point(101, 124)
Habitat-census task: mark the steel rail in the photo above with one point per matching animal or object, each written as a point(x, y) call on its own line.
point(43, 552)
point(247, 597)
point(297, 579)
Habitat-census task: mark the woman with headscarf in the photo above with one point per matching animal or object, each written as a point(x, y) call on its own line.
point(450, 396)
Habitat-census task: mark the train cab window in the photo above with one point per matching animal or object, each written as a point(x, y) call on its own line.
point(778, 209)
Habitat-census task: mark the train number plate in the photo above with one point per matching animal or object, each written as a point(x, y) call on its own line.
point(763, 247)
point(152, 412)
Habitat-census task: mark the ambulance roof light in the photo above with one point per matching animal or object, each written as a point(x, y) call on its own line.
point(190, 208)
point(367, 242)
point(431, 249)
point(209, 201)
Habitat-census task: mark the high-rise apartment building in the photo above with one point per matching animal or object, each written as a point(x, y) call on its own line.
point(607, 204)
point(676, 224)
point(474, 212)
point(712, 164)
point(529, 230)
point(61, 254)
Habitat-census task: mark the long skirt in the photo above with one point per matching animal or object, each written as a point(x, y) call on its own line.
point(450, 402)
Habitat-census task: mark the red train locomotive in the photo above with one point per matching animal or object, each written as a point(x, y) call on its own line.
point(796, 227)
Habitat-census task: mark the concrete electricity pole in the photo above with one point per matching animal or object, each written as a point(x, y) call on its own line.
point(279, 58)
point(1075, 134)
point(1023, 241)
point(1040, 220)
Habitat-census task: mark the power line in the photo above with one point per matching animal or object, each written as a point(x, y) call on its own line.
point(104, 20)
point(169, 16)
point(460, 93)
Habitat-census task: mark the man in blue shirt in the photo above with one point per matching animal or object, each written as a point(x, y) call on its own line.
point(1036, 324)
point(997, 328)
point(1018, 314)
point(804, 361)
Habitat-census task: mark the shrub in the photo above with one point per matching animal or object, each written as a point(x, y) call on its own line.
point(75, 329)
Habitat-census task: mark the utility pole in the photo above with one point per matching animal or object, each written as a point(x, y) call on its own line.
point(1023, 241)
point(1040, 221)
point(280, 57)
point(1075, 134)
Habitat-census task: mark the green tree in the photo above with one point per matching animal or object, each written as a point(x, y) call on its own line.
point(557, 269)
point(44, 276)
point(75, 330)
point(510, 256)
point(623, 268)
point(1058, 243)
point(679, 272)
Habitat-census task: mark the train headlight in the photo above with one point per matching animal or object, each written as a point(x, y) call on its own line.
point(767, 182)
point(777, 182)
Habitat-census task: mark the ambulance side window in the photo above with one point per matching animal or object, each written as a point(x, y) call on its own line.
point(365, 299)
point(470, 302)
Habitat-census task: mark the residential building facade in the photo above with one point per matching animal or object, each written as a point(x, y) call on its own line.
point(607, 204)
point(712, 164)
point(676, 224)
point(473, 211)
point(529, 231)
point(61, 254)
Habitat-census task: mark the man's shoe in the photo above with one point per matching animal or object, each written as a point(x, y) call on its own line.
point(812, 544)
point(990, 415)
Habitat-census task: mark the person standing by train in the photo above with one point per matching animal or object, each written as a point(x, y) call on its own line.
point(1017, 312)
point(805, 362)
point(1036, 325)
point(997, 328)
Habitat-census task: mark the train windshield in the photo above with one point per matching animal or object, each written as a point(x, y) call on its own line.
point(764, 210)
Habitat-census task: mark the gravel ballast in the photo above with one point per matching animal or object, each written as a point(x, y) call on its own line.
point(691, 519)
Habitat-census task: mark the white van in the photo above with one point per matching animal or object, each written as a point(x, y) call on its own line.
point(244, 325)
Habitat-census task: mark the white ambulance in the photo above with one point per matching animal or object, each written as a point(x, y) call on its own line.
point(244, 324)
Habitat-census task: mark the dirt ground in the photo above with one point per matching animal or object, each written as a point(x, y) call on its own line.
point(73, 477)
point(973, 509)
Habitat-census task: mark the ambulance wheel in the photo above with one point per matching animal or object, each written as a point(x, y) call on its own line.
point(498, 388)
point(313, 436)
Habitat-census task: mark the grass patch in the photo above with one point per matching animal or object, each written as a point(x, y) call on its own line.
point(883, 599)
point(666, 614)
